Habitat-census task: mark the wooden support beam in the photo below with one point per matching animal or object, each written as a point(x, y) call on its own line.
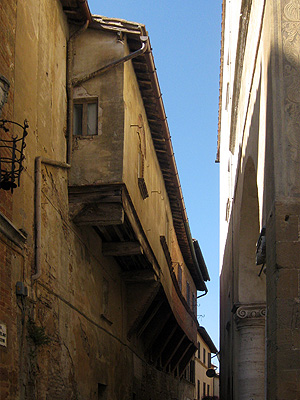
point(185, 358)
point(150, 317)
point(157, 330)
point(163, 343)
point(119, 249)
point(139, 276)
point(184, 354)
point(146, 292)
point(139, 233)
point(102, 214)
point(171, 355)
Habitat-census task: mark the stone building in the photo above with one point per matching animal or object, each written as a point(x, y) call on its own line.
point(99, 272)
point(258, 151)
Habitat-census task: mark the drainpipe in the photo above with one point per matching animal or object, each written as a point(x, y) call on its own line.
point(38, 208)
point(79, 81)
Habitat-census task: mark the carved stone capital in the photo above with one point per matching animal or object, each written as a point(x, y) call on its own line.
point(250, 314)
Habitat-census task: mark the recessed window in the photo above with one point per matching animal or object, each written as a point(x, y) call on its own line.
point(204, 356)
point(85, 117)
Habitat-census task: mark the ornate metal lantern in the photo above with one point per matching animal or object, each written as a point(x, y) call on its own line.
point(12, 148)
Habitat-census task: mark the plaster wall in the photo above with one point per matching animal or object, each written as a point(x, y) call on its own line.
point(201, 367)
point(154, 212)
point(7, 60)
point(283, 207)
point(11, 258)
point(68, 338)
point(37, 86)
point(242, 155)
point(93, 50)
point(267, 122)
point(237, 93)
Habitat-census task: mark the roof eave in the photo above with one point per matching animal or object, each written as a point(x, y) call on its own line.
point(77, 11)
point(207, 339)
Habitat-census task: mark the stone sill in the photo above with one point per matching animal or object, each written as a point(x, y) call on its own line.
point(11, 232)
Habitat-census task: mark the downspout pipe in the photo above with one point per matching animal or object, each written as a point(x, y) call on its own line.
point(38, 209)
point(142, 50)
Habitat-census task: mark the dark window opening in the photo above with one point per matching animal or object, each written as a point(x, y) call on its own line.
point(85, 117)
point(102, 392)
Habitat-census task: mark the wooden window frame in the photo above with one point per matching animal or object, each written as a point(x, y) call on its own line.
point(84, 102)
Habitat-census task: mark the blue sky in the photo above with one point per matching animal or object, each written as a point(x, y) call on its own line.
point(185, 37)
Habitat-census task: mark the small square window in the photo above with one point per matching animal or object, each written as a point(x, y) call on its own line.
point(85, 117)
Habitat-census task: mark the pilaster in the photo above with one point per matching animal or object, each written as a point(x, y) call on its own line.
point(250, 324)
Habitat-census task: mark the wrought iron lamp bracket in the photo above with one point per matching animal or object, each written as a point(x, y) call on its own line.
point(11, 153)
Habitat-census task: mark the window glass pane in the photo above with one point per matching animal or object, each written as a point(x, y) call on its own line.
point(77, 119)
point(92, 119)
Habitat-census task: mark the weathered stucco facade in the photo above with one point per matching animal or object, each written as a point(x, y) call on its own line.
point(205, 385)
point(97, 231)
point(259, 174)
